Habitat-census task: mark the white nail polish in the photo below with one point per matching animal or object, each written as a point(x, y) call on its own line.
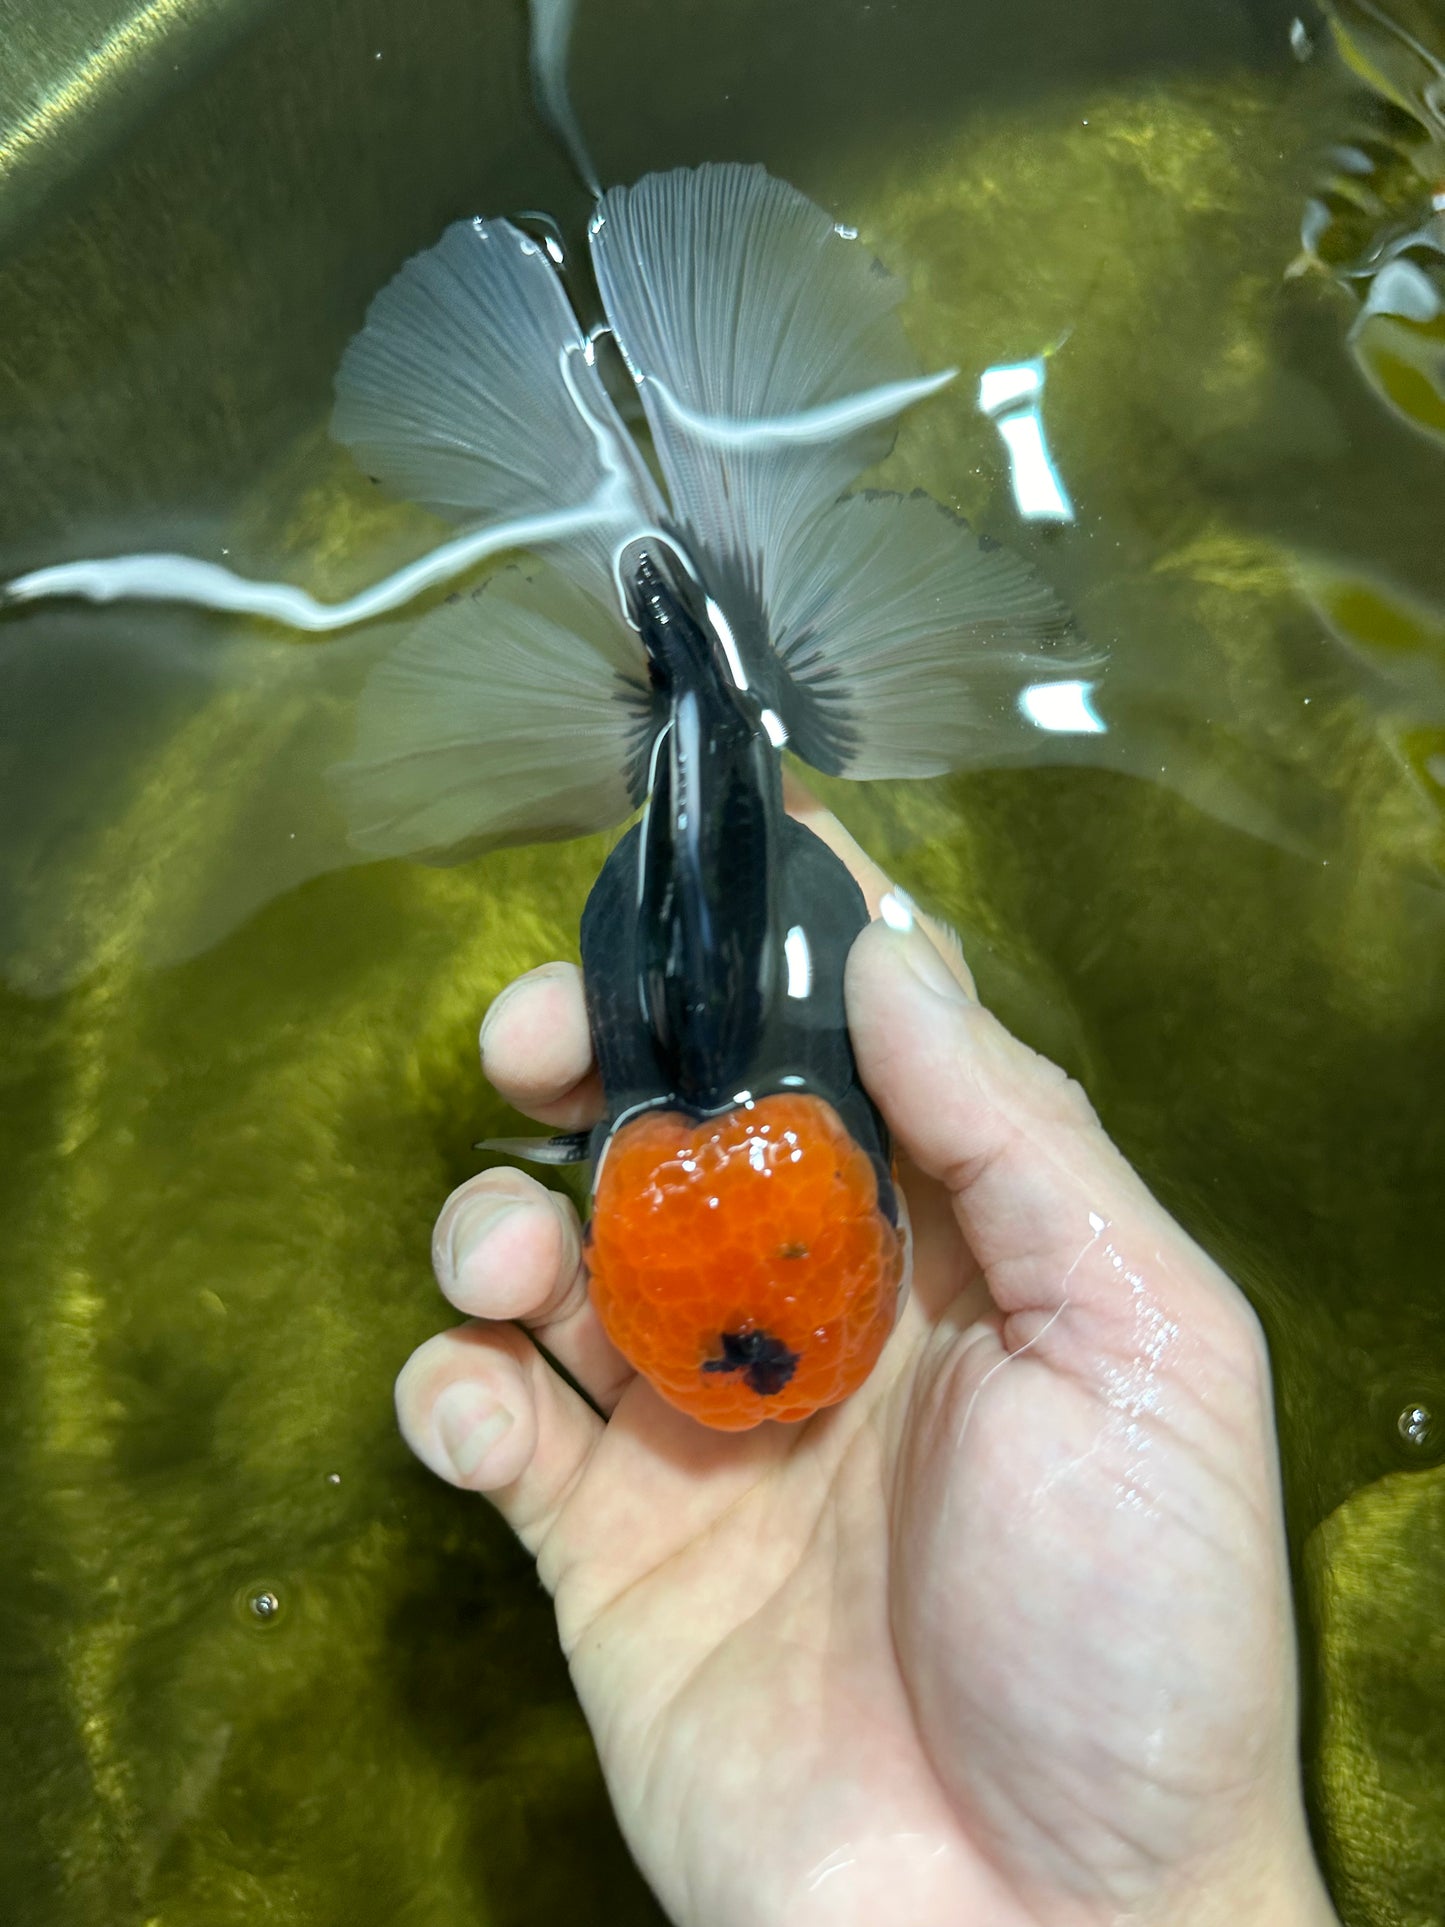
point(896, 908)
point(469, 1423)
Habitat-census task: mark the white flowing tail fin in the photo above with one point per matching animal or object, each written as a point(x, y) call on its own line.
point(472, 390)
point(551, 33)
point(903, 641)
point(771, 361)
point(516, 713)
point(746, 317)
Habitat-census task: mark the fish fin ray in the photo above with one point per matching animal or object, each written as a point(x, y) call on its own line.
point(517, 713)
point(453, 393)
point(735, 299)
point(899, 642)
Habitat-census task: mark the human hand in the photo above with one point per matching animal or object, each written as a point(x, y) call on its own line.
point(1005, 1638)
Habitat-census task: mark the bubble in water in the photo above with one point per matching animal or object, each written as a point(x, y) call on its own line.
point(1419, 1427)
point(259, 1603)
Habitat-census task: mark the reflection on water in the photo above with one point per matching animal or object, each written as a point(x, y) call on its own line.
point(1012, 398)
point(1063, 706)
point(1223, 908)
point(1377, 221)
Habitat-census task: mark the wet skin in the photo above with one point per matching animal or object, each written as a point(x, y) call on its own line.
point(1003, 1640)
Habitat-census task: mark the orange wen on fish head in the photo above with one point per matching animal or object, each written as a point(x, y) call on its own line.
point(742, 1263)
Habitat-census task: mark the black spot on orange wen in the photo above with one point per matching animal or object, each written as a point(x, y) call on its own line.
point(764, 1361)
point(742, 1262)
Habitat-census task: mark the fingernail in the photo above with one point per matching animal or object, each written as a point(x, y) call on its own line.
point(469, 1423)
point(898, 910)
point(495, 1009)
point(475, 1221)
point(503, 997)
point(921, 955)
point(925, 962)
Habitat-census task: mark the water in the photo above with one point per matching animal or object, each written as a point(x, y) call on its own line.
point(240, 1080)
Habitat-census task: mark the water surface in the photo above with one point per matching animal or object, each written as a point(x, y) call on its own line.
point(241, 1078)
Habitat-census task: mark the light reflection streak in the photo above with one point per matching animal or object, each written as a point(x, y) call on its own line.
point(1064, 707)
point(1011, 395)
point(115, 58)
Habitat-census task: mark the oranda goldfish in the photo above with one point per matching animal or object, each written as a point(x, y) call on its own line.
point(678, 627)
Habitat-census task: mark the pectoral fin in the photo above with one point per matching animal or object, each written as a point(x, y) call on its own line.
point(570, 1147)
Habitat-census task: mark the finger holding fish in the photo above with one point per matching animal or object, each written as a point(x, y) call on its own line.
point(537, 1051)
point(874, 882)
point(506, 1249)
point(483, 1409)
point(535, 1044)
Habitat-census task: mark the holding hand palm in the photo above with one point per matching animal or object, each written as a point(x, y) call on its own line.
point(1004, 1638)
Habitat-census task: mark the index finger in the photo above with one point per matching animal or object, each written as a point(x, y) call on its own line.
point(874, 882)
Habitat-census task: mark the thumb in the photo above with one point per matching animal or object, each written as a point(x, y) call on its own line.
point(1043, 1198)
